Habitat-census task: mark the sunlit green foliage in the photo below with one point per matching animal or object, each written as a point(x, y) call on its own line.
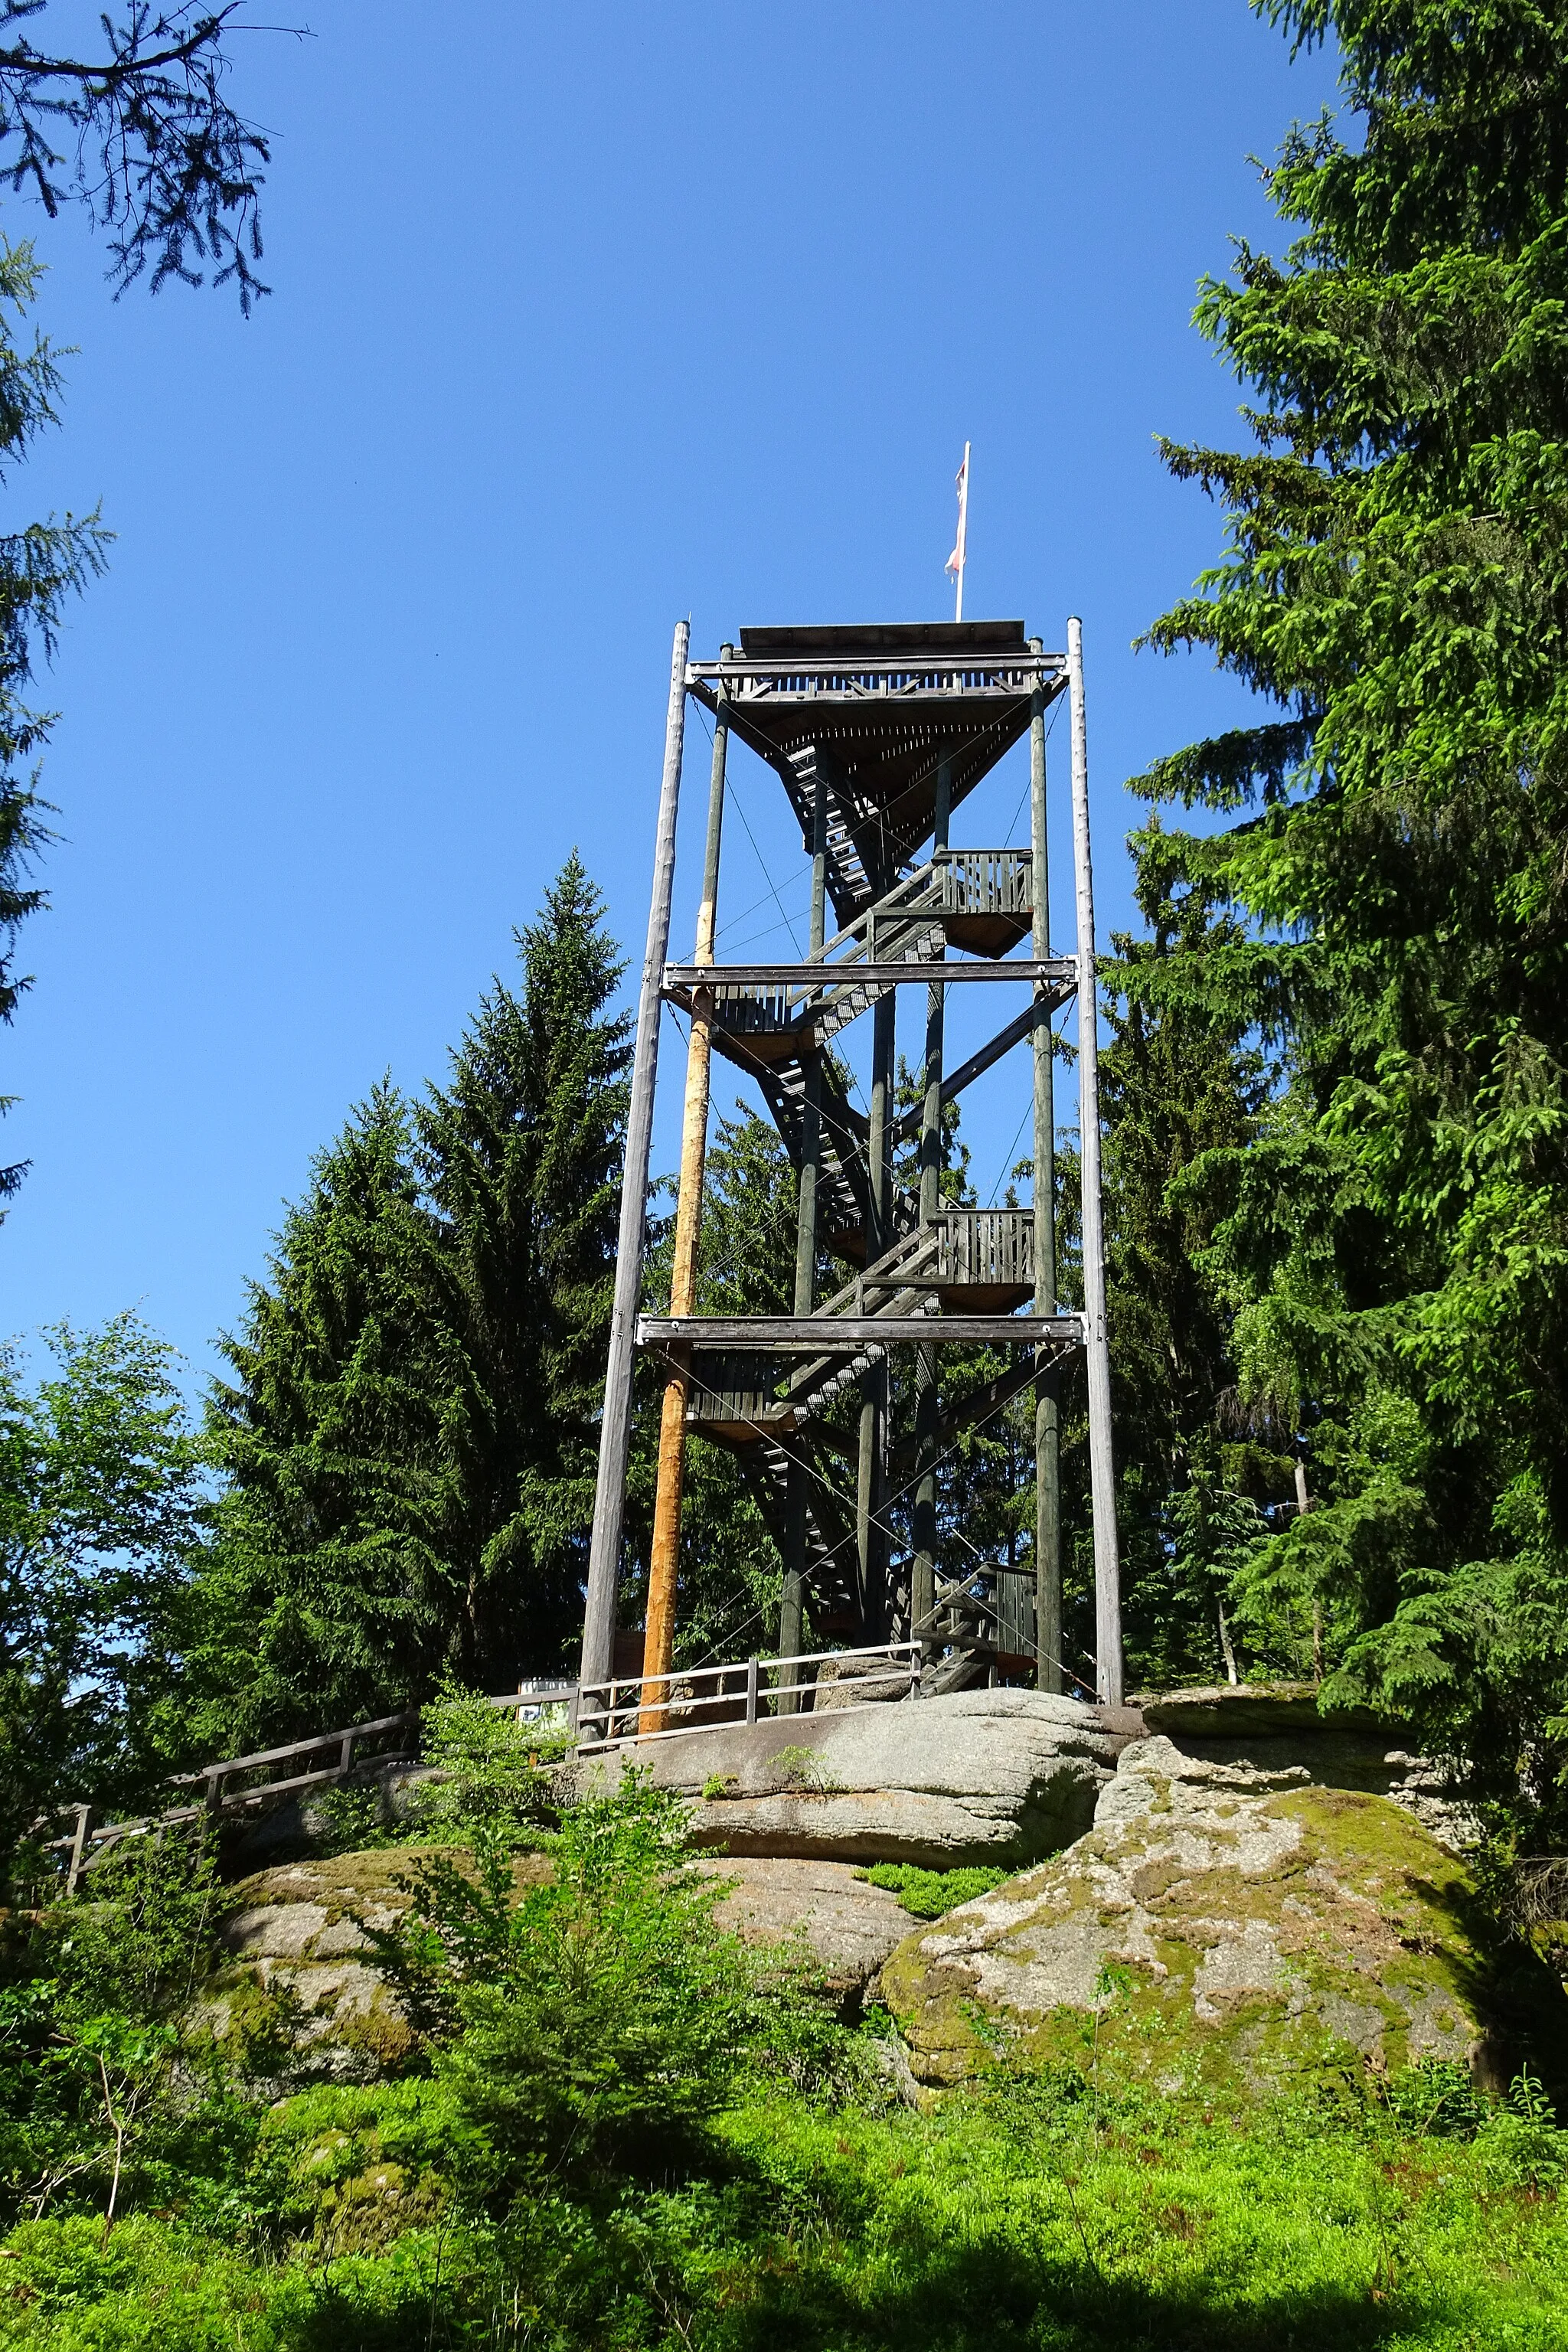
point(1023, 2215)
point(1390, 1243)
point(408, 1434)
point(928, 1894)
point(616, 2125)
point(101, 1495)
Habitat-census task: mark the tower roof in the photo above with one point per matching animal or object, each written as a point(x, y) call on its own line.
point(877, 706)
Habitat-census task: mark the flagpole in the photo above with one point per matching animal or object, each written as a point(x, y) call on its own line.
point(960, 556)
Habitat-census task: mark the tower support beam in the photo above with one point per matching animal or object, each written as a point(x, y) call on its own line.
point(616, 1429)
point(792, 1597)
point(664, 1556)
point(871, 1534)
point(927, 1400)
point(1097, 1352)
point(1047, 1631)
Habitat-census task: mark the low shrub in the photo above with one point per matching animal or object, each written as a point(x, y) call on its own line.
point(927, 1894)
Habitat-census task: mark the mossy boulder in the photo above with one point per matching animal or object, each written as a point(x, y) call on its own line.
point(1221, 1928)
point(293, 1942)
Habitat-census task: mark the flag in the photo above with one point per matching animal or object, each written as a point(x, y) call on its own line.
point(956, 560)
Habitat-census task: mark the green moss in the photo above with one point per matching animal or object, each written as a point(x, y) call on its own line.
point(346, 1883)
point(1363, 1947)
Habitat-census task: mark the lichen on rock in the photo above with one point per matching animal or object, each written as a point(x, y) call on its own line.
point(296, 1932)
point(1223, 1927)
point(972, 1777)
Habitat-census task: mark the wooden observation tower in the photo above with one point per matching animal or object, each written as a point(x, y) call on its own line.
point(877, 736)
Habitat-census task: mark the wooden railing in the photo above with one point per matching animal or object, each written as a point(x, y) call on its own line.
point(985, 1247)
point(704, 1697)
point(603, 1714)
point(89, 1840)
point(986, 881)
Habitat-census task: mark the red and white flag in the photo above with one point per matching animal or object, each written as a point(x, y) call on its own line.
point(956, 560)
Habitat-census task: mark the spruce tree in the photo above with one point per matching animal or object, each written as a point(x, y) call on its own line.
point(328, 1592)
point(1397, 584)
point(520, 1153)
point(411, 1433)
point(1181, 1087)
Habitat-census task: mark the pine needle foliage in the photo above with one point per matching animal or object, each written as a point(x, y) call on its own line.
point(410, 1430)
point(521, 1155)
point(1396, 583)
point(327, 1592)
point(1180, 1081)
point(40, 565)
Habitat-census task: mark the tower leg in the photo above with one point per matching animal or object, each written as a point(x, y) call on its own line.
point(1047, 1612)
point(873, 1598)
point(874, 1389)
point(793, 1594)
point(1101, 1469)
point(927, 1400)
point(922, 1578)
point(615, 1431)
point(664, 1557)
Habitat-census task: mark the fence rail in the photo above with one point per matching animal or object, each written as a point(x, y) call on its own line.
point(89, 1840)
point(605, 1716)
point(630, 1709)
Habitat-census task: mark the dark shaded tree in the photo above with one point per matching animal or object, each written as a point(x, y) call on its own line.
point(143, 136)
point(521, 1153)
point(1196, 1471)
point(329, 1591)
point(1396, 582)
point(411, 1436)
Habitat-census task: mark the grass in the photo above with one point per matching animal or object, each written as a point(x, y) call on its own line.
point(1021, 2214)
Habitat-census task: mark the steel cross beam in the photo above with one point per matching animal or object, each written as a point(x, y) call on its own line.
point(976, 1066)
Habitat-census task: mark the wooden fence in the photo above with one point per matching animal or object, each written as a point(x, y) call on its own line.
point(703, 1698)
point(381, 1740)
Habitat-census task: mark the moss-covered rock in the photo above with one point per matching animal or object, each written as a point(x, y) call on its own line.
point(293, 1943)
point(1221, 1928)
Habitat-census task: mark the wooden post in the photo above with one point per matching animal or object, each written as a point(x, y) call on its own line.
point(1048, 1427)
point(922, 1589)
point(870, 1531)
point(811, 1071)
point(615, 1433)
point(81, 1839)
point(664, 1557)
point(792, 1597)
point(1101, 1469)
point(1303, 1504)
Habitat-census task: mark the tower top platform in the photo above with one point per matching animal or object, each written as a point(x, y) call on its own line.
point(877, 708)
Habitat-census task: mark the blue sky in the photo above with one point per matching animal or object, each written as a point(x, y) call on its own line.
point(584, 318)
